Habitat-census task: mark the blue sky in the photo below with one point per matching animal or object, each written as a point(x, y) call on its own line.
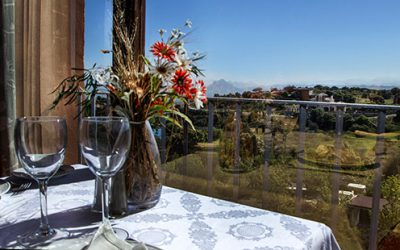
point(283, 41)
point(98, 28)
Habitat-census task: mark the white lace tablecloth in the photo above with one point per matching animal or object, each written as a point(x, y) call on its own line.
point(181, 220)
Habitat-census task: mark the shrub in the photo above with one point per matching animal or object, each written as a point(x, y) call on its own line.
point(390, 215)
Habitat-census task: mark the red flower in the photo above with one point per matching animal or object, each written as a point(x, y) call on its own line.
point(183, 83)
point(202, 86)
point(158, 101)
point(111, 88)
point(162, 50)
point(137, 104)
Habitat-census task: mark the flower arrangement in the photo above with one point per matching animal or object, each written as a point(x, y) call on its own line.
point(168, 78)
point(141, 88)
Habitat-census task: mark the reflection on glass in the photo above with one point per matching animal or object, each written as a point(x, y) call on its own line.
point(40, 144)
point(105, 143)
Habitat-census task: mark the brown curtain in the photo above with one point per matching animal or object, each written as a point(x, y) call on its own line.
point(49, 42)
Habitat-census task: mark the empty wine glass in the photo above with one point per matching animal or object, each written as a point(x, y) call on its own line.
point(105, 143)
point(40, 144)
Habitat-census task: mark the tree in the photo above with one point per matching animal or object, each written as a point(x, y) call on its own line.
point(289, 89)
point(318, 86)
point(329, 92)
point(363, 123)
point(375, 98)
point(396, 95)
point(364, 95)
point(344, 96)
point(395, 91)
point(396, 119)
point(385, 93)
point(324, 120)
point(246, 94)
point(348, 121)
point(349, 98)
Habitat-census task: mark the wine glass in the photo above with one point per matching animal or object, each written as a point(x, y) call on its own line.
point(105, 144)
point(40, 143)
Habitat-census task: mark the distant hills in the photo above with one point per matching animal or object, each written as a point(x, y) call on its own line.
point(224, 87)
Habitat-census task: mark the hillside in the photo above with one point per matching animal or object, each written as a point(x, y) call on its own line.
point(222, 87)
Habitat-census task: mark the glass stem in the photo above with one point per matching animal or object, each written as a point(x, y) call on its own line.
point(104, 197)
point(44, 223)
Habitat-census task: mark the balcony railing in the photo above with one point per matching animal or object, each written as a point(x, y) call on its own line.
point(303, 108)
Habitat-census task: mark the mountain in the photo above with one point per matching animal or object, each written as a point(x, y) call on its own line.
point(222, 87)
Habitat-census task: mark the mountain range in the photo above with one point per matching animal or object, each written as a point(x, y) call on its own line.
point(224, 87)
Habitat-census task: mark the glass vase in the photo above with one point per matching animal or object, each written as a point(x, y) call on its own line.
point(137, 186)
point(142, 169)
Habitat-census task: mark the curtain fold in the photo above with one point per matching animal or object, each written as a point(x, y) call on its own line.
point(49, 38)
point(7, 87)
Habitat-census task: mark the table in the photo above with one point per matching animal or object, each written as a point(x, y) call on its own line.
point(359, 203)
point(181, 220)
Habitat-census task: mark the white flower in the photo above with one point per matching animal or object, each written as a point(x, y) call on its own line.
point(181, 48)
point(199, 97)
point(100, 75)
point(183, 60)
point(197, 102)
point(162, 31)
point(103, 76)
point(188, 24)
point(175, 33)
point(114, 80)
point(163, 70)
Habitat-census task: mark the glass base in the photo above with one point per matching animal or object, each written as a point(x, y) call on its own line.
point(38, 238)
point(136, 206)
point(121, 233)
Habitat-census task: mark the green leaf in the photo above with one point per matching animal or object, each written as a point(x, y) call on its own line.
point(154, 83)
point(200, 57)
point(195, 70)
point(172, 120)
point(146, 61)
point(126, 96)
point(184, 117)
point(157, 108)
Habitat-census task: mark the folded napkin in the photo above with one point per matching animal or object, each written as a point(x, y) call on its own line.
point(105, 238)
